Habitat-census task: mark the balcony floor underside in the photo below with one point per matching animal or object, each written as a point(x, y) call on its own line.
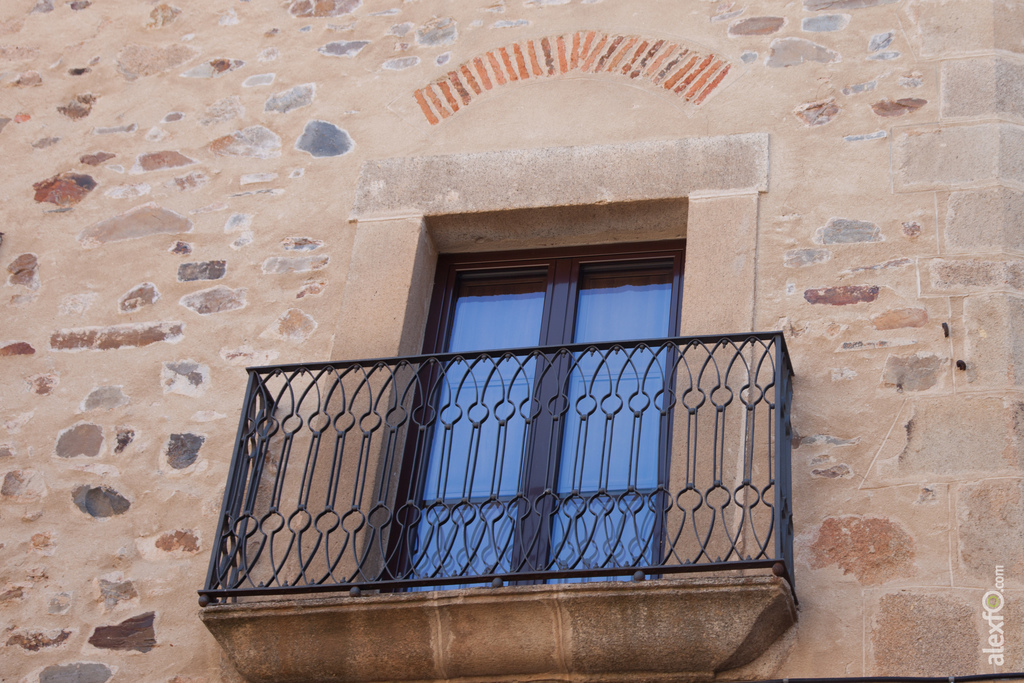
point(681, 629)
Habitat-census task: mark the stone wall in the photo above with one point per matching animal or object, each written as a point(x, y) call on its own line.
point(176, 202)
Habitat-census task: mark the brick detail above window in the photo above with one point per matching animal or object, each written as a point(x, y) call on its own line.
point(684, 71)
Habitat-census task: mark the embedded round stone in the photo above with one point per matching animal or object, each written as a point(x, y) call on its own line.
point(100, 501)
point(323, 139)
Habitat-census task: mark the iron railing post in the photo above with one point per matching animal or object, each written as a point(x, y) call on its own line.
point(783, 451)
point(230, 489)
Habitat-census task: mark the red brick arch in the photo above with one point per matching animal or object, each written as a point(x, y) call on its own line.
point(675, 68)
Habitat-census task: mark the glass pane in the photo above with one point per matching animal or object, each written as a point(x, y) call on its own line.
point(479, 440)
point(613, 304)
point(497, 312)
point(610, 441)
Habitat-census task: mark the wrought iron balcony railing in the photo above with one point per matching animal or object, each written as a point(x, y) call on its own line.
point(574, 463)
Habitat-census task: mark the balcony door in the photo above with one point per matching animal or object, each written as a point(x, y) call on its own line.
point(538, 460)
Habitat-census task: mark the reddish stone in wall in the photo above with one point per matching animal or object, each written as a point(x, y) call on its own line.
point(145, 294)
point(873, 549)
point(115, 336)
point(24, 271)
point(64, 189)
point(79, 107)
point(842, 296)
point(900, 317)
point(96, 159)
point(192, 181)
point(17, 349)
point(37, 640)
point(888, 108)
point(293, 325)
point(155, 161)
point(44, 384)
point(136, 633)
point(182, 539)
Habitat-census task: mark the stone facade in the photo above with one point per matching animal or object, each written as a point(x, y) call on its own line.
point(191, 188)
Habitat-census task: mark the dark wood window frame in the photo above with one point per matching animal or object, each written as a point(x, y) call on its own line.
point(564, 267)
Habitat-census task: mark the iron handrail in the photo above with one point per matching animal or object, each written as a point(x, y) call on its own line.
point(453, 469)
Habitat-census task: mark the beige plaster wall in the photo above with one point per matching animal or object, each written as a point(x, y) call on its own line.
point(894, 203)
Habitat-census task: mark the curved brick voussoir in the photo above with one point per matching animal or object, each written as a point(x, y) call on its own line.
point(686, 72)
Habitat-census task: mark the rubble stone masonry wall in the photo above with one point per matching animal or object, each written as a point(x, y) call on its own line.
point(175, 198)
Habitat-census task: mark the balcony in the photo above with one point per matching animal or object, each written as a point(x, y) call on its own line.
point(577, 512)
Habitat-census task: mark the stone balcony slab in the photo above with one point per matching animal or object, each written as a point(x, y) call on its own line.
point(660, 630)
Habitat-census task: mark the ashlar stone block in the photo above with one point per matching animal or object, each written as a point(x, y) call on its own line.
point(1009, 25)
point(985, 220)
point(951, 438)
point(962, 276)
point(994, 341)
point(990, 521)
point(983, 86)
point(948, 28)
point(493, 181)
point(933, 157)
point(916, 634)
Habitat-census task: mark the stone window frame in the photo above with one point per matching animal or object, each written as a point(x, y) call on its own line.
point(703, 189)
